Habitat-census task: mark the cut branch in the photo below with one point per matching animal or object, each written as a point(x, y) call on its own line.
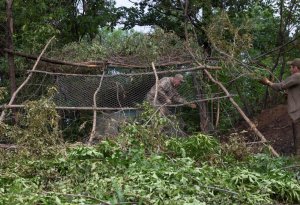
point(102, 64)
point(251, 124)
point(8, 146)
point(130, 74)
point(93, 132)
point(53, 61)
point(74, 108)
point(156, 83)
point(27, 79)
point(9, 40)
point(116, 108)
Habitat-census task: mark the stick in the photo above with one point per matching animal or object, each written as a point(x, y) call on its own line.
point(93, 132)
point(218, 114)
point(74, 108)
point(250, 123)
point(53, 61)
point(156, 83)
point(8, 146)
point(133, 74)
point(78, 195)
point(117, 108)
point(100, 64)
point(27, 79)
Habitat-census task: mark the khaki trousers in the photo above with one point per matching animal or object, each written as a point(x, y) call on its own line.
point(296, 135)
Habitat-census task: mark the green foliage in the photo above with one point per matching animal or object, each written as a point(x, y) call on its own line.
point(227, 39)
point(110, 173)
point(38, 127)
point(3, 93)
point(148, 132)
point(198, 147)
point(145, 164)
point(37, 21)
point(142, 166)
point(106, 44)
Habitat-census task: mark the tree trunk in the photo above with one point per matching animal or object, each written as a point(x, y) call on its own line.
point(205, 124)
point(9, 44)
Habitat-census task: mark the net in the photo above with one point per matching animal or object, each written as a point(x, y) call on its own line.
point(118, 94)
point(117, 91)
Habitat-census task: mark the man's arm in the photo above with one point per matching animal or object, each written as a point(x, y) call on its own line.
point(286, 84)
point(163, 90)
point(161, 94)
point(177, 98)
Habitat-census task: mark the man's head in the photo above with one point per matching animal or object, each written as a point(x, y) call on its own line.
point(177, 80)
point(295, 65)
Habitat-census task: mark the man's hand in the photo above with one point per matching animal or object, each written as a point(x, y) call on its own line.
point(265, 81)
point(192, 105)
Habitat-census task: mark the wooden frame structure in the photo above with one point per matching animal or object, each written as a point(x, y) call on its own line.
point(105, 64)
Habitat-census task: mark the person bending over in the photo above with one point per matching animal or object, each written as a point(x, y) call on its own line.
point(167, 94)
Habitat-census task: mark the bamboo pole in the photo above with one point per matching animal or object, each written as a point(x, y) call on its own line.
point(27, 79)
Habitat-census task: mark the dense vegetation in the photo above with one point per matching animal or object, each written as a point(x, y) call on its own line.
point(137, 167)
point(143, 164)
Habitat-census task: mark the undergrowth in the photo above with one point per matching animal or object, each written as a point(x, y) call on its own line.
point(144, 165)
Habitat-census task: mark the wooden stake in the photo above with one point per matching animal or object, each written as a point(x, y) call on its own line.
point(156, 83)
point(100, 64)
point(10, 57)
point(250, 123)
point(27, 79)
point(93, 132)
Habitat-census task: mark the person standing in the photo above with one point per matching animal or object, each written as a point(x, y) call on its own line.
point(292, 86)
point(167, 94)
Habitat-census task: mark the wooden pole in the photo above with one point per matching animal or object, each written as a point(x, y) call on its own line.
point(93, 132)
point(10, 57)
point(250, 123)
point(156, 83)
point(27, 79)
point(100, 64)
point(123, 74)
point(54, 61)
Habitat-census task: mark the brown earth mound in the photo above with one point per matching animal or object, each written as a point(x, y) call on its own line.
point(276, 126)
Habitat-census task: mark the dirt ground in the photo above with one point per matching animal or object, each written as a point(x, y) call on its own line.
point(276, 126)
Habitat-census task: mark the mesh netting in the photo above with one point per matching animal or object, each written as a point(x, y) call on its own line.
point(116, 91)
point(117, 100)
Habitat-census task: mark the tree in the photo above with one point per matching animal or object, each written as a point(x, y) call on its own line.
point(9, 44)
point(268, 30)
point(36, 21)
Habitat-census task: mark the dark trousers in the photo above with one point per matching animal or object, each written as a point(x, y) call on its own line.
point(296, 135)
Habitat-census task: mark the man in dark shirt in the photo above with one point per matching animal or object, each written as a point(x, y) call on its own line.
point(292, 86)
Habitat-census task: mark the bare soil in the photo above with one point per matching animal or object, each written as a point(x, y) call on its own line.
point(276, 125)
